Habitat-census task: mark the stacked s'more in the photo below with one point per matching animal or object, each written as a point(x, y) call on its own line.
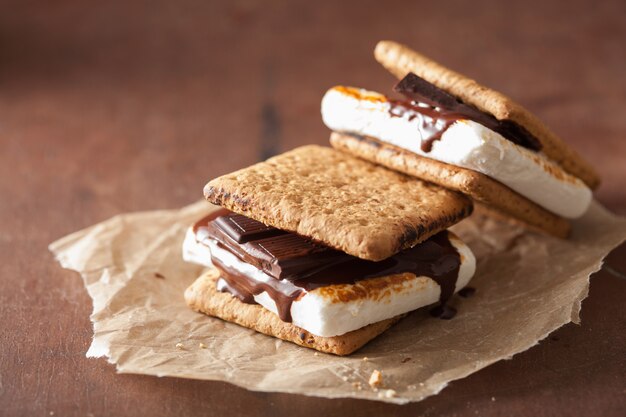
point(449, 130)
point(326, 250)
point(329, 247)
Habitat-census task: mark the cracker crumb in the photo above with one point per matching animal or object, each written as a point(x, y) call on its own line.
point(316, 353)
point(376, 379)
point(179, 345)
point(365, 358)
point(357, 385)
point(345, 378)
point(201, 345)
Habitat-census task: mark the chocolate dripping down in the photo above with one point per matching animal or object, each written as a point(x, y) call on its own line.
point(436, 110)
point(294, 260)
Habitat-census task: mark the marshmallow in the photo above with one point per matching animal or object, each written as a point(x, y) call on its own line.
point(465, 144)
point(339, 309)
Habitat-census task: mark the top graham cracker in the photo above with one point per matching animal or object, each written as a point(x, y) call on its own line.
point(400, 60)
point(344, 202)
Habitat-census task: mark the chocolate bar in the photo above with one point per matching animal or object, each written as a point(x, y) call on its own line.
point(450, 108)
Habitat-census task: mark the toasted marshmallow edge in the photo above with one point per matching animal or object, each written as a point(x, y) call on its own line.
point(321, 312)
point(465, 144)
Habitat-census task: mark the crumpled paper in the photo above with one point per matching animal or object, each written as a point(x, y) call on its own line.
point(527, 285)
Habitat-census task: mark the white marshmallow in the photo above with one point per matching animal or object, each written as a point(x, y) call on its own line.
point(465, 144)
point(194, 251)
point(322, 312)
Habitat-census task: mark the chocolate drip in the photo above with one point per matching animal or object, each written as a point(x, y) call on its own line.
point(233, 288)
point(444, 106)
point(443, 311)
point(467, 292)
point(245, 289)
point(432, 123)
point(293, 260)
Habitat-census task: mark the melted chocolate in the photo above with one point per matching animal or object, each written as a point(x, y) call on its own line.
point(293, 260)
point(443, 311)
point(442, 109)
point(432, 122)
point(467, 292)
point(282, 256)
point(245, 289)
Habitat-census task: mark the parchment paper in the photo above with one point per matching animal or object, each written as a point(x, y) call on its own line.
point(527, 286)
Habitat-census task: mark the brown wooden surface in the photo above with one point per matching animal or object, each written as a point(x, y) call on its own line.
point(108, 108)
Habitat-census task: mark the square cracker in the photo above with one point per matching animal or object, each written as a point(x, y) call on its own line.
point(345, 202)
point(478, 186)
point(400, 60)
point(203, 296)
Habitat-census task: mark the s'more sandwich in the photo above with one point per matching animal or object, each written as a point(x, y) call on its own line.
point(326, 250)
point(449, 130)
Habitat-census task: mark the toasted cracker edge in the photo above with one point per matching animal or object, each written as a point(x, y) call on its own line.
point(202, 296)
point(478, 186)
point(241, 192)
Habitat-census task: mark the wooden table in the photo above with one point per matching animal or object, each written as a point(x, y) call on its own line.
point(114, 107)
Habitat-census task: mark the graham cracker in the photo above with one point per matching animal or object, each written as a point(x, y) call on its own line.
point(475, 184)
point(344, 202)
point(203, 296)
point(400, 60)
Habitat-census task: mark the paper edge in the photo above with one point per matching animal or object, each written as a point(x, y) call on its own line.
point(399, 400)
point(100, 348)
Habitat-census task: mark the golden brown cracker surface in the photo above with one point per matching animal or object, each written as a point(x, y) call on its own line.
point(342, 201)
point(478, 186)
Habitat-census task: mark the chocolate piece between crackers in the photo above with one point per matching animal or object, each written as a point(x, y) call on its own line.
point(338, 200)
